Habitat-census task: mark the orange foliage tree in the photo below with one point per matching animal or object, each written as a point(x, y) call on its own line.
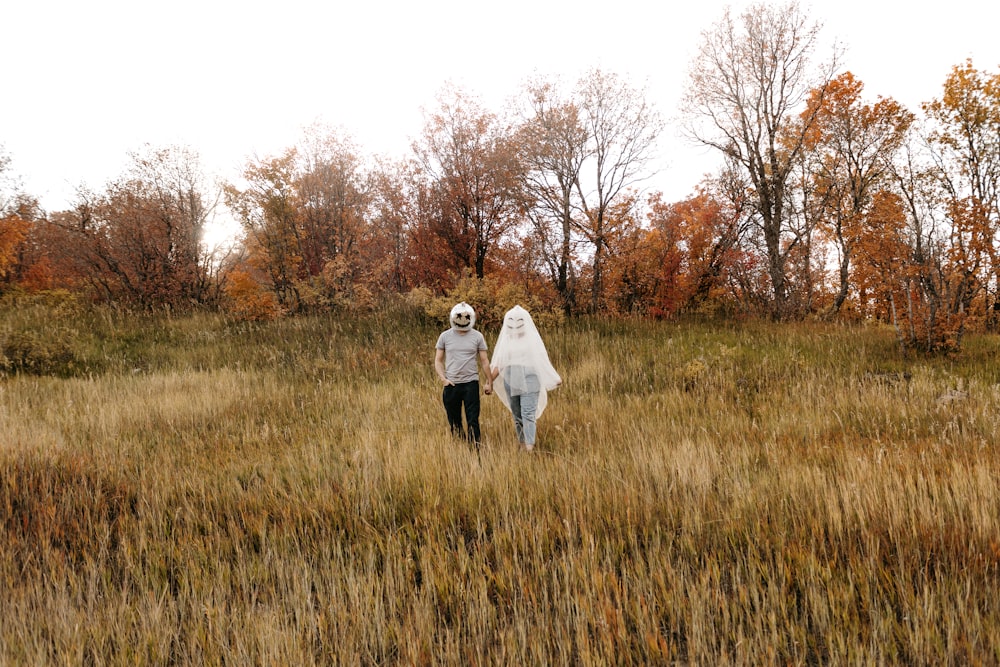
point(905, 276)
point(333, 195)
point(25, 242)
point(304, 216)
point(17, 214)
point(694, 244)
point(630, 266)
point(268, 210)
point(13, 233)
point(15, 223)
point(965, 135)
point(945, 214)
point(853, 145)
point(440, 245)
point(886, 273)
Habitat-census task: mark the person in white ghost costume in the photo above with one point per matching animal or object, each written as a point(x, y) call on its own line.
point(522, 362)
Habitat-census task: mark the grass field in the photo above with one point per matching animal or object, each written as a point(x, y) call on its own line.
point(193, 490)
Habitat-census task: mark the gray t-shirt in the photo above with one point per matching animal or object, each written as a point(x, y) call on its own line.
point(460, 354)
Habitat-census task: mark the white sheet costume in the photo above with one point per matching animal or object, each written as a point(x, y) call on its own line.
point(522, 364)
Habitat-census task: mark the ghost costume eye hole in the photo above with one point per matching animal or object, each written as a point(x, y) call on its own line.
point(515, 325)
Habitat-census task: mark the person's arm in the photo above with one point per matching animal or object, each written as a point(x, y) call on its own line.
point(439, 367)
point(484, 361)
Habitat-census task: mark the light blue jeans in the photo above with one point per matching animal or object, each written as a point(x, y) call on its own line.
point(523, 408)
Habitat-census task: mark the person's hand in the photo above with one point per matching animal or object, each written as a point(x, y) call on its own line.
point(489, 388)
point(446, 382)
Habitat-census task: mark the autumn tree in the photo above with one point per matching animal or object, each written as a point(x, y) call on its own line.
point(947, 189)
point(304, 218)
point(24, 240)
point(852, 146)
point(704, 234)
point(470, 165)
point(63, 258)
point(15, 221)
point(386, 250)
point(333, 186)
point(940, 270)
point(22, 222)
point(439, 244)
point(806, 262)
point(333, 197)
point(553, 142)
point(964, 132)
point(887, 271)
point(584, 151)
point(630, 276)
point(750, 79)
point(932, 241)
point(14, 229)
point(267, 207)
point(139, 242)
point(622, 127)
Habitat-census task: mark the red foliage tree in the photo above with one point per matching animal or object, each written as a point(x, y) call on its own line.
point(140, 241)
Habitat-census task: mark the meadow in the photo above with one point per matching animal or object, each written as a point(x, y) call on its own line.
point(184, 490)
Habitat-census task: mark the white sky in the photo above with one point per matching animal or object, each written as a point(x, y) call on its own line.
point(84, 82)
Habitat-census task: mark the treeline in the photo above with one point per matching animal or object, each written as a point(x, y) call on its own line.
point(827, 203)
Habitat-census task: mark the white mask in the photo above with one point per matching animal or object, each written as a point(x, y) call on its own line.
point(463, 317)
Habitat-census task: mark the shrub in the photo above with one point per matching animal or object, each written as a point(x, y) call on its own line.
point(249, 300)
point(27, 352)
point(491, 299)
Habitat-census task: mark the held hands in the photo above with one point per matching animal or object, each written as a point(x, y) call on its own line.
point(491, 375)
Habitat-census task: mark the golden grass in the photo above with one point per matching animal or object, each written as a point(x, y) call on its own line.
point(218, 493)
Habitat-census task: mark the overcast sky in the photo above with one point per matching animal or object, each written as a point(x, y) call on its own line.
point(87, 81)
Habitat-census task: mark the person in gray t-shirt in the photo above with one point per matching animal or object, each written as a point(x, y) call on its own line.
point(458, 354)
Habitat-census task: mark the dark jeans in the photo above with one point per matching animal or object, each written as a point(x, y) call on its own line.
point(455, 397)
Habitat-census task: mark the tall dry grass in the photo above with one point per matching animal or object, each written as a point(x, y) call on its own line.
point(199, 491)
